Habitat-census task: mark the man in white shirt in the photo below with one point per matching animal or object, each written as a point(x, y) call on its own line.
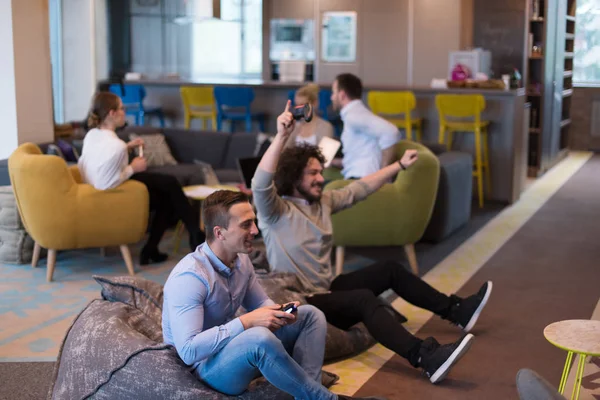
point(368, 141)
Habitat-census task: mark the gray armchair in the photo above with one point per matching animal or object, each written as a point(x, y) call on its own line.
point(452, 209)
point(531, 386)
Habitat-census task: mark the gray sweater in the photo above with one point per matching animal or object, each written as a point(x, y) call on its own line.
point(299, 235)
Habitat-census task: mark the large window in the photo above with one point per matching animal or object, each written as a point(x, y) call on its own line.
point(587, 43)
point(180, 37)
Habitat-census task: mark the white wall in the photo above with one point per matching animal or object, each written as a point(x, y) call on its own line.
point(79, 60)
point(101, 39)
point(8, 104)
point(436, 32)
point(400, 42)
point(33, 73)
point(25, 84)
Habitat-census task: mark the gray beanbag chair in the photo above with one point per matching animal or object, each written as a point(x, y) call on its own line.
point(114, 349)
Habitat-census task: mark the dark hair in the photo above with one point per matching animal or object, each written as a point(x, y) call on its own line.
point(291, 166)
point(102, 104)
point(350, 84)
point(215, 209)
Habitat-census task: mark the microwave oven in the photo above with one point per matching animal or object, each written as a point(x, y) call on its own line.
point(292, 39)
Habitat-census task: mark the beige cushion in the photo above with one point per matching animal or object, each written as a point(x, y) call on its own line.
point(156, 149)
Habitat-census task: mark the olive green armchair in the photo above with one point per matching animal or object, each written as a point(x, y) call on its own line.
point(397, 214)
point(61, 213)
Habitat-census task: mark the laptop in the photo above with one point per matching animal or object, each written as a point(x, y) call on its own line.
point(329, 148)
point(247, 168)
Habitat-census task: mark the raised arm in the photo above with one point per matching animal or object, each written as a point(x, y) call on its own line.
point(268, 204)
point(285, 127)
point(359, 190)
point(375, 180)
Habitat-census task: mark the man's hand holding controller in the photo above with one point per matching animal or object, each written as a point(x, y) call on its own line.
point(271, 317)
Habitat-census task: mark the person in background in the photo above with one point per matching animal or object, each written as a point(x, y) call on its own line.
point(368, 141)
point(104, 164)
point(201, 297)
point(309, 132)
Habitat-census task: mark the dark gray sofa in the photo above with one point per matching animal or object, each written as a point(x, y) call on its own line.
point(452, 209)
point(219, 149)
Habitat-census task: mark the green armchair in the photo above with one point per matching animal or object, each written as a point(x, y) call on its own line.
point(397, 214)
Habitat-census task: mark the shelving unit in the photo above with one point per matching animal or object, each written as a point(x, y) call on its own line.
point(550, 80)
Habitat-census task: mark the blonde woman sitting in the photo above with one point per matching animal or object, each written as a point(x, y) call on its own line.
point(309, 132)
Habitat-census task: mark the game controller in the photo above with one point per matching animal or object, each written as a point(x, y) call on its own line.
point(303, 111)
point(289, 308)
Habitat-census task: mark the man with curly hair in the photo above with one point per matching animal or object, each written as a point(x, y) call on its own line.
point(294, 216)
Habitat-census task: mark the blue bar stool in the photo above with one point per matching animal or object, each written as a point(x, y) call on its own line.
point(292, 97)
point(132, 97)
point(229, 98)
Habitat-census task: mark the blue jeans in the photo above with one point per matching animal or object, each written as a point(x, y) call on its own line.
point(259, 351)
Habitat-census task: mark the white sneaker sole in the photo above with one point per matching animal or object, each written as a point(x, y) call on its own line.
point(475, 315)
point(460, 351)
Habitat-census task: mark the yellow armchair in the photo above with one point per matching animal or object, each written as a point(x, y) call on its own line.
point(60, 212)
point(397, 214)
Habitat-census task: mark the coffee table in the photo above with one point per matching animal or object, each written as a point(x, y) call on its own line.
point(576, 336)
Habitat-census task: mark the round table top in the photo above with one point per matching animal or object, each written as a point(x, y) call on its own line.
point(577, 335)
point(201, 192)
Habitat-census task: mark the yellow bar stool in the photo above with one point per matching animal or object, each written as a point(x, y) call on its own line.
point(462, 113)
point(576, 336)
point(390, 104)
point(199, 102)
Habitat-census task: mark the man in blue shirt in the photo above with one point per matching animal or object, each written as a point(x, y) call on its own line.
point(368, 140)
point(202, 295)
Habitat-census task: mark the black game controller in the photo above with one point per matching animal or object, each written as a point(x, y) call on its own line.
point(303, 111)
point(289, 308)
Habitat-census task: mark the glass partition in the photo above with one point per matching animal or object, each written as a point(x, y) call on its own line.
point(180, 37)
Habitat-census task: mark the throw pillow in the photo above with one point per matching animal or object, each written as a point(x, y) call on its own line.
point(140, 293)
point(69, 152)
point(156, 149)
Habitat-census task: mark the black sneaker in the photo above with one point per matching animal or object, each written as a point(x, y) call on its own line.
point(342, 397)
point(436, 359)
point(466, 311)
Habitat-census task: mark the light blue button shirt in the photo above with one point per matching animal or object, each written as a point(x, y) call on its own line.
point(364, 137)
point(201, 297)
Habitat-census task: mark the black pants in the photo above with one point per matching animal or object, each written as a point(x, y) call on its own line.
point(169, 204)
point(353, 299)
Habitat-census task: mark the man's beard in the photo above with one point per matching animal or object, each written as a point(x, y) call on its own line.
point(307, 195)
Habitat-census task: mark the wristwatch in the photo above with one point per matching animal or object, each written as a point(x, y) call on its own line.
point(401, 165)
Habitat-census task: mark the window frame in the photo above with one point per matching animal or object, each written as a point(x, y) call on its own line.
point(576, 81)
point(165, 16)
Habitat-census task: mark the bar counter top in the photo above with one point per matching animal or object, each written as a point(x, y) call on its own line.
point(504, 109)
point(294, 85)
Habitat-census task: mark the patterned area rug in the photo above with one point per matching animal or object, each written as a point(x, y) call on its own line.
point(35, 314)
